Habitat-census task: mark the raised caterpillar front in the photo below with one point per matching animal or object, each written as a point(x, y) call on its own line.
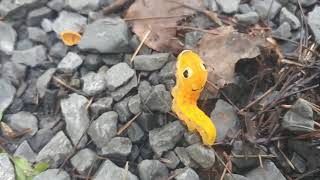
point(191, 77)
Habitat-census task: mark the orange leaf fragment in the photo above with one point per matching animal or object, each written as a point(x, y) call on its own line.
point(70, 38)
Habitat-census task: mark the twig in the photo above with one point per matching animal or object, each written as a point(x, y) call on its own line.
point(116, 5)
point(153, 17)
point(224, 164)
point(308, 174)
point(194, 29)
point(69, 87)
point(252, 156)
point(285, 157)
point(260, 161)
point(124, 127)
point(140, 45)
point(126, 168)
point(89, 103)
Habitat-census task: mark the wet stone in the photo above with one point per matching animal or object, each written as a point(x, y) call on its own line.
point(30, 57)
point(76, 117)
point(114, 31)
point(150, 62)
point(204, 156)
point(118, 75)
point(103, 129)
point(83, 160)
point(22, 121)
point(8, 38)
point(299, 118)
point(55, 152)
point(6, 168)
point(70, 63)
point(158, 171)
point(108, 170)
point(135, 132)
point(100, 106)
point(287, 16)
point(166, 137)
point(268, 172)
point(53, 174)
point(93, 83)
point(117, 147)
point(225, 119)
point(24, 151)
point(186, 174)
point(7, 93)
point(172, 160)
point(123, 110)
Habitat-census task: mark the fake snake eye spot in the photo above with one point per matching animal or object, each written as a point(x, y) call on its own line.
point(187, 73)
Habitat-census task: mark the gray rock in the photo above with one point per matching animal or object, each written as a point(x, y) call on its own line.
point(56, 5)
point(305, 3)
point(168, 71)
point(24, 44)
point(166, 137)
point(191, 39)
point(134, 104)
point(249, 18)
point(123, 110)
point(228, 6)
point(186, 174)
point(76, 116)
point(83, 160)
point(6, 168)
point(7, 93)
point(102, 105)
point(268, 172)
point(299, 118)
point(150, 62)
point(56, 151)
point(70, 62)
point(37, 35)
point(24, 151)
point(235, 177)
point(23, 120)
point(13, 72)
point(299, 163)
point(172, 160)
point(43, 81)
point(108, 35)
point(159, 99)
point(68, 21)
point(112, 59)
point(46, 25)
point(41, 138)
point(82, 6)
point(212, 5)
point(58, 50)
point(122, 91)
point(93, 62)
point(135, 132)
point(118, 75)
point(53, 174)
point(287, 16)
point(284, 30)
point(118, 147)
point(148, 121)
point(152, 170)
point(144, 90)
point(108, 170)
point(225, 119)
point(36, 16)
point(192, 138)
point(239, 147)
point(244, 8)
point(93, 83)
point(30, 57)
point(18, 9)
point(262, 8)
point(8, 38)
point(313, 21)
point(103, 129)
point(204, 156)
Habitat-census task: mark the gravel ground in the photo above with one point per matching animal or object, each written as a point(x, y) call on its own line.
point(74, 100)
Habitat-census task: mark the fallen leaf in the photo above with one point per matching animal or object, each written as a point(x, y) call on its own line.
point(24, 169)
point(221, 52)
point(160, 17)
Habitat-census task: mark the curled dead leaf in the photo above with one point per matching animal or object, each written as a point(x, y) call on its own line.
point(160, 17)
point(221, 52)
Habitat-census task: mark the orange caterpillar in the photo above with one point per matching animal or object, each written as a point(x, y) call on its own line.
point(191, 76)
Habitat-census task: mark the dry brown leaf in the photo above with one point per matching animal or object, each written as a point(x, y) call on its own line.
point(222, 52)
point(161, 17)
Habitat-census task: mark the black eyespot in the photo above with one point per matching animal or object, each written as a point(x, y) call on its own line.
point(185, 73)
